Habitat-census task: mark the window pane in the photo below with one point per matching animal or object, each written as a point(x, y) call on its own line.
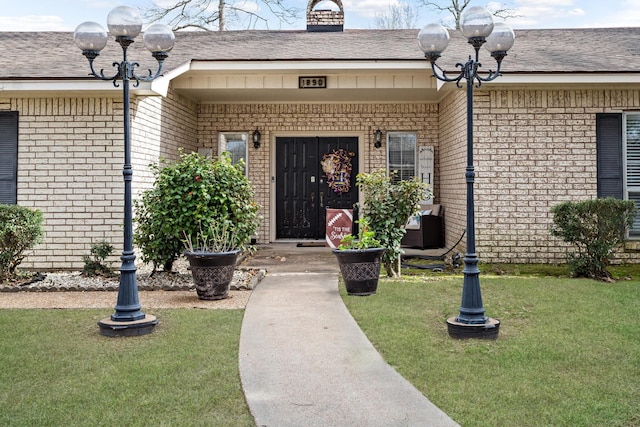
point(237, 149)
point(633, 150)
point(236, 145)
point(635, 228)
point(402, 155)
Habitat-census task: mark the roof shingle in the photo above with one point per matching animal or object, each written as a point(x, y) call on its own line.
point(53, 55)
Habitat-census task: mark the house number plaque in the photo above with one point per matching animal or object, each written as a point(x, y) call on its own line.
point(318, 82)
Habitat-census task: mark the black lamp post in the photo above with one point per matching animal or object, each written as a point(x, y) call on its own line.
point(125, 24)
point(477, 25)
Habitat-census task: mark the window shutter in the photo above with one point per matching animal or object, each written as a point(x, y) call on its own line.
point(609, 155)
point(8, 157)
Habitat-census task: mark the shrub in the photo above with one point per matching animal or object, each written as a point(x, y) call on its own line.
point(20, 230)
point(596, 228)
point(189, 199)
point(156, 244)
point(386, 207)
point(95, 264)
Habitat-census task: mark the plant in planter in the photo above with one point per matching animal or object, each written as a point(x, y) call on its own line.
point(206, 205)
point(359, 260)
point(387, 205)
point(212, 256)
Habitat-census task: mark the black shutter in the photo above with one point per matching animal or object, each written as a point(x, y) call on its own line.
point(9, 157)
point(609, 155)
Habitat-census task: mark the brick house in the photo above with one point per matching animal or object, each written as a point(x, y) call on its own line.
point(560, 124)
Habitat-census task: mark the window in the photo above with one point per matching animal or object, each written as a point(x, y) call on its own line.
point(618, 158)
point(401, 154)
point(236, 145)
point(9, 157)
point(632, 164)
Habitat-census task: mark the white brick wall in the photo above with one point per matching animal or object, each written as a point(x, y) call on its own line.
point(535, 149)
point(69, 168)
point(159, 127)
point(71, 153)
point(452, 163)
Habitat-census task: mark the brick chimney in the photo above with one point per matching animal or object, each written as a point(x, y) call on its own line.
point(325, 20)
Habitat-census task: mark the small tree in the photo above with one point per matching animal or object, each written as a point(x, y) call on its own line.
point(387, 205)
point(20, 230)
point(596, 228)
point(190, 199)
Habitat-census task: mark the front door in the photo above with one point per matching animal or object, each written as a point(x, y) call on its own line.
point(313, 174)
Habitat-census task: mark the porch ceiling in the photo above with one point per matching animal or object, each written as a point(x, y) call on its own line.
point(230, 96)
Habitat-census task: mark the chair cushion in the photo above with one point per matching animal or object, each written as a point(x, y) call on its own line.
point(413, 223)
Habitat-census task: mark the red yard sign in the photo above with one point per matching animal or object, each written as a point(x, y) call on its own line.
point(339, 224)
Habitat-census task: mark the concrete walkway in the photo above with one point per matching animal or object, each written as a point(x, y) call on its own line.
point(305, 362)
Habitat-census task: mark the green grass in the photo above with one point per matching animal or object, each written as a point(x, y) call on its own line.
point(622, 271)
point(568, 353)
point(56, 369)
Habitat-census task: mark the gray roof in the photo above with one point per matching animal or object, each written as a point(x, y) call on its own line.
point(46, 55)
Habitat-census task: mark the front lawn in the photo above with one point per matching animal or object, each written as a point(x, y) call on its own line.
point(568, 353)
point(57, 370)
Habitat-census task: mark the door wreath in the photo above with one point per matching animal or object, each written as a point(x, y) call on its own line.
point(337, 167)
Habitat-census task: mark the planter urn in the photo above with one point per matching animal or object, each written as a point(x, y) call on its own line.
point(212, 272)
point(360, 269)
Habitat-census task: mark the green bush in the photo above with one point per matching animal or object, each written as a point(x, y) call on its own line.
point(20, 230)
point(190, 199)
point(96, 264)
point(386, 207)
point(596, 228)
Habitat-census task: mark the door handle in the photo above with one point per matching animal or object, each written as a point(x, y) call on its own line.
point(313, 199)
point(321, 199)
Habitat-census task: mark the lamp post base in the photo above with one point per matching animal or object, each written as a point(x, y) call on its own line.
point(487, 330)
point(143, 326)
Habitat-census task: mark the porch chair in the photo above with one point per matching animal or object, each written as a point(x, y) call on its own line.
point(425, 230)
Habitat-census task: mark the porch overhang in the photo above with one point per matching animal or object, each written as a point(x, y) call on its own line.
point(65, 88)
point(278, 81)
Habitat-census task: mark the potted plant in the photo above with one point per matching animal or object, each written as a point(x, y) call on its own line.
point(387, 205)
point(212, 257)
point(205, 206)
point(359, 260)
